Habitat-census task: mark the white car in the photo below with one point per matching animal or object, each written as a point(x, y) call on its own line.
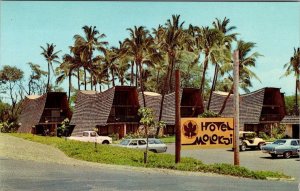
point(154, 145)
point(92, 136)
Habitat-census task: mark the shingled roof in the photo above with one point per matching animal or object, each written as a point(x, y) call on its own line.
point(33, 107)
point(32, 110)
point(91, 109)
point(168, 114)
point(250, 106)
point(291, 119)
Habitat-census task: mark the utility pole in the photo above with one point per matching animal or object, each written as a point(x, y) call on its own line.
point(177, 117)
point(236, 106)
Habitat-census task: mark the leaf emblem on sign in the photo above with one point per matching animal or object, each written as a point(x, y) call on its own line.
point(190, 130)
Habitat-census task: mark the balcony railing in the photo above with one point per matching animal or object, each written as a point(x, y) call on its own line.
point(270, 117)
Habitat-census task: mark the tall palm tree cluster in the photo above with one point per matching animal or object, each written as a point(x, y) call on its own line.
point(147, 59)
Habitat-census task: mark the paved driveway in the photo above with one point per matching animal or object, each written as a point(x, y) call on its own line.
point(252, 159)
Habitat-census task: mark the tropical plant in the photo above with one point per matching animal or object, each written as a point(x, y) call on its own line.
point(51, 56)
point(294, 67)
point(140, 47)
point(86, 46)
point(246, 61)
point(170, 40)
point(222, 55)
point(36, 84)
point(12, 78)
point(66, 70)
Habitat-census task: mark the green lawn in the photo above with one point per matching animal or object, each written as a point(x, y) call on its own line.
point(122, 156)
point(169, 139)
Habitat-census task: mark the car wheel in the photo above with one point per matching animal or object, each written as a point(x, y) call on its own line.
point(260, 146)
point(273, 156)
point(287, 155)
point(105, 142)
point(243, 147)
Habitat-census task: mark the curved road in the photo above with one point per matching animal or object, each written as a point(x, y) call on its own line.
point(25, 165)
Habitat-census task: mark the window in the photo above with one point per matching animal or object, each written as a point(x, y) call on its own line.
point(133, 143)
point(142, 142)
point(85, 134)
point(124, 142)
point(294, 143)
point(93, 134)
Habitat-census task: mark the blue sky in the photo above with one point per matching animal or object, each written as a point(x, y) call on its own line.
point(25, 26)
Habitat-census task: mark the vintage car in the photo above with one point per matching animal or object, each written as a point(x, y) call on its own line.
point(248, 139)
point(284, 147)
point(154, 145)
point(92, 136)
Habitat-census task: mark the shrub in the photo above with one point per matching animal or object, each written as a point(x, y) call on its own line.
point(208, 113)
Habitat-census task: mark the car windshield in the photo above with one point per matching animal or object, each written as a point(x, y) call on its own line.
point(124, 142)
point(279, 142)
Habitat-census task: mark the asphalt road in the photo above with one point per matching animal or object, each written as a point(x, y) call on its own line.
point(26, 165)
point(252, 159)
point(28, 175)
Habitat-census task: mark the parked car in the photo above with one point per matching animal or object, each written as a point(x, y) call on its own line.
point(92, 136)
point(154, 145)
point(248, 139)
point(285, 147)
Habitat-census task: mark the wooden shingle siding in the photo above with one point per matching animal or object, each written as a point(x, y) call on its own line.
point(34, 107)
point(251, 105)
point(91, 110)
point(291, 119)
point(32, 110)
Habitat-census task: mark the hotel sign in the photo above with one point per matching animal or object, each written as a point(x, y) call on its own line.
point(207, 133)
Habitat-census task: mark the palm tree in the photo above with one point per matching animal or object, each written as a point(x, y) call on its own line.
point(246, 61)
point(66, 70)
point(209, 39)
point(50, 57)
point(223, 57)
point(294, 67)
point(140, 47)
point(170, 40)
point(87, 45)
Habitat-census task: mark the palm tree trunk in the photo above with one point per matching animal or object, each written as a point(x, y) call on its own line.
point(113, 77)
point(157, 77)
point(78, 78)
point(136, 75)
point(141, 84)
point(213, 86)
point(47, 90)
point(165, 89)
point(91, 81)
point(84, 78)
point(225, 100)
point(171, 77)
point(296, 109)
point(203, 75)
point(131, 75)
point(70, 84)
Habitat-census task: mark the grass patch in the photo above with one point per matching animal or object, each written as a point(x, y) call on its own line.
point(108, 154)
point(169, 139)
